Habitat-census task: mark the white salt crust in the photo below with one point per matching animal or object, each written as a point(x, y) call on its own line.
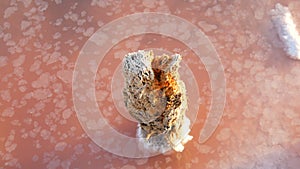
point(286, 29)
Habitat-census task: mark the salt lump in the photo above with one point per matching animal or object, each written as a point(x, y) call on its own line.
point(156, 98)
point(286, 29)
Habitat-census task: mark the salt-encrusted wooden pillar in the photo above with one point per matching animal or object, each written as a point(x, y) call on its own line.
point(156, 98)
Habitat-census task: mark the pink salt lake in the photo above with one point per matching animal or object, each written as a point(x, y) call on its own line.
point(42, 40)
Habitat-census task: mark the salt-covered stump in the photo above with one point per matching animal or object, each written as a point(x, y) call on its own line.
point(156, 97)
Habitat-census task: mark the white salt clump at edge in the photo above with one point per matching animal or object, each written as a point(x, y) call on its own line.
point(286, 29)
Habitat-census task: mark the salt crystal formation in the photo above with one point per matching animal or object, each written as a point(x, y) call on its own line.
point(156, 98)
point(286, 29)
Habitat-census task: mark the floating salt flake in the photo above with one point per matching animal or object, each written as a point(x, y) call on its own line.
point(62, 103)
point(5, 95)
point(120, 54)
point(43, 5)
point(94, 148)
point(9, 112)
point(41, 94)
point(207, 27)
point(42, 81)
point(259, 13)
point(74, 16)
point(11, 147)
point(56, 35)
point(100, 23)
point(35, 158)
point(26, 3)
point(104, 72)
point(224, 134)
point(66, 164)
point(102, 95)
point(89, 31)
point(12, 162)
point(79, 149)
point(145, 160)
point(57, 87)
point(296, 122)
point(204, 149)
point(58, 1)
point(30, 32)
point(128, 167)
point(236, 66)
point(81, 21)
point(10, 43)
point(55, 163)
point(45, 134)
point(58, 22)
point(3, 61)
point(54, 57)
point(132, 44)
point(25, 24)
point(67, 113)
point(35, 66)
point(9, 11)
point(287, 31)
point(60, 146)
point(7, 37)
point(149, 3)
point(65, 75)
